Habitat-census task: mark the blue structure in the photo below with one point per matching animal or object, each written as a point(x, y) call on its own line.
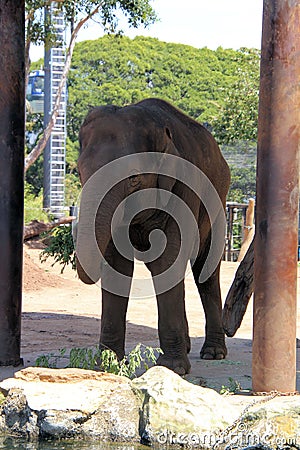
point(35, 91)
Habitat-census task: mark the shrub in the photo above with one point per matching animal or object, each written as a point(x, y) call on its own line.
point(140, 358)
point(60, 246)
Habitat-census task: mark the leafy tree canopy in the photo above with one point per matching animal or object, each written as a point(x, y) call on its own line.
point(215, 87)
point(218, 88)
point(137, 12)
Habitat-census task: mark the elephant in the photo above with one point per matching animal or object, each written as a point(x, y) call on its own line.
point(161, 172)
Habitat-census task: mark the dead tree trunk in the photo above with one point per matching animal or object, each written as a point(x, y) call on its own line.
point(239, 293)
point(35, 228)
point(248, 229)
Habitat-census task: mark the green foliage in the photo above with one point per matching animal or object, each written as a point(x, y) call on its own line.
point(88, 358)
point(33, 206)
point(71, 155)
point(34, 178)
point(34, 129)
point(72, 189)
point(140, 358)
point(243, 184)
point(241, 157)
point(218, 88)
point(137, 12)
point(51, 359)
point(39, 30)
point(60, 247)
point(119, 70)
point(237, 119)
point(232, 388)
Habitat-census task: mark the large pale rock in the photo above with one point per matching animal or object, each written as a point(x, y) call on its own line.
point(265, 423)
point(64, 375)
point(72, 402)
point(178, 412)
point(274, 423)
point(159, 407)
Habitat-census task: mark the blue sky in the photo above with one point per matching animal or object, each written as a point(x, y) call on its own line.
point(200, 23)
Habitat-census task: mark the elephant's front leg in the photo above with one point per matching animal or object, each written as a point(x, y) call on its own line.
point(115, 294)
point(168, 278)
point(113, 323)
point(173, 330)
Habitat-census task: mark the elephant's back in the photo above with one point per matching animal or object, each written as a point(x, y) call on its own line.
point(193, 141)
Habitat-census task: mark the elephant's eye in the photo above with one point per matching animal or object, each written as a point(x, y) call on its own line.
point(134, 179)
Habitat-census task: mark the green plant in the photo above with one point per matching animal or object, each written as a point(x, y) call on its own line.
point(72, 189)
point(232, 387)
point(33, 206)
point(50, 359)
point(140, 358)
point(60, 247)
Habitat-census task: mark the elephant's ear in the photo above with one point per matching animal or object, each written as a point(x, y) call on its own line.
point(168, 165)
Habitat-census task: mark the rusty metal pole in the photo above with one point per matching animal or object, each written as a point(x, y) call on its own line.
point(275, 262)
point(12, 118)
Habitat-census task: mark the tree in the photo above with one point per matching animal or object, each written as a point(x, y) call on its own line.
point(237, 120)
point(119, 70)
point(123, 70)
point(77, 13)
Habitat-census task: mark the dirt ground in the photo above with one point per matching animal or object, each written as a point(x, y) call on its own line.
point(59, 311)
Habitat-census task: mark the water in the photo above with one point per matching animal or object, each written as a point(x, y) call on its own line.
point(19, 444)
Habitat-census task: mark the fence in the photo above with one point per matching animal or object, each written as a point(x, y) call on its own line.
point(235, 226)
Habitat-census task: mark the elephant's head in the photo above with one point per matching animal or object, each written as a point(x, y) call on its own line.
point(122, 152)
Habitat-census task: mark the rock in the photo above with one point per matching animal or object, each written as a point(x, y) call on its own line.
point(275, 423)
point(158, 408)
point(175, 411)
point(266, 423)
point(16, 417)
point(65, 375)
point(74, 402)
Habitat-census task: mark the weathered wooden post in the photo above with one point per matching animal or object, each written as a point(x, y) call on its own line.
point(12, 115)
point(248, 229)
point(275, 261)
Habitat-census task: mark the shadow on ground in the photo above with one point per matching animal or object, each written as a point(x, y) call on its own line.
point(44, 333)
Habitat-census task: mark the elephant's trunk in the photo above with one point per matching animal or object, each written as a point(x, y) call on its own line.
point(82, 274)
point(94, 233)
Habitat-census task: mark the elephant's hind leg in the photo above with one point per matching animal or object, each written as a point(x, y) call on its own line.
point(214, 345)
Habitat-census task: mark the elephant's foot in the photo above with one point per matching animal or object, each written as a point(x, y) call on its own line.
point(116, 349)
point(213, 350)
point(180, 365)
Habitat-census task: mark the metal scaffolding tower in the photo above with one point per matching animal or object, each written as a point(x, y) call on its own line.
point(54, 154)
